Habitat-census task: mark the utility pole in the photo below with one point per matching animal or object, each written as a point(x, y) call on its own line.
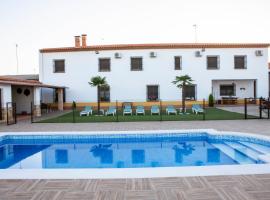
point(195, 33)
point(17, 60)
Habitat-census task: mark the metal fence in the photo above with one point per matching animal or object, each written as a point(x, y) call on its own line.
point(73, 114)
point(105, 115)
point(11, 115)
point(249, 108)
point(257, 108)
point(42, 112)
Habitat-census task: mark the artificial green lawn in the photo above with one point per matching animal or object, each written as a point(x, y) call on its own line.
point(211, 114)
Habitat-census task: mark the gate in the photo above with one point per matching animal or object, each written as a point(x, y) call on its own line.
point(11, 113)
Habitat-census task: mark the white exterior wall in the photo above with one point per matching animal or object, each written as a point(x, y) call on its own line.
point(131, 85)
point(23, 102)
point(6, 94)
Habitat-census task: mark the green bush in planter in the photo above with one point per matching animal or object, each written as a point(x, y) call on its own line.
point(211, 100)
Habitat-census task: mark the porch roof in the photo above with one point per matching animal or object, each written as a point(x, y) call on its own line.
point(15, 81)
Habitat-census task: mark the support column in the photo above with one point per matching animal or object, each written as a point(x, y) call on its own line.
point(36, 106)
point(6, 96)
point(60, 99)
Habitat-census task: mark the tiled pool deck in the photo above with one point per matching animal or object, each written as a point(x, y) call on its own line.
point(192, 188)
point(249, 126)
point(211, 187)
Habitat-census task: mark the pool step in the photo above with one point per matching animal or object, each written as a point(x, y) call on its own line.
point(233, 154)
point(260, 148)
point(245, 150)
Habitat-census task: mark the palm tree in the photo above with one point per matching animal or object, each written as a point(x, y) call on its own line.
point(182, 82)
point(98, 81)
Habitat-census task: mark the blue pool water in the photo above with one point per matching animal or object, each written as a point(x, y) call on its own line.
point(127, 151)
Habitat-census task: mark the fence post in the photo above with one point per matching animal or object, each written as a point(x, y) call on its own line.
point(32, 120)
point(74, 106)
point(260, 108)
point(7, 113)
point(73, 114)
point(117, 120)
point(15, 113)
point(268, 108)
point(160, 105)
point(245, 107)
point(204, 111)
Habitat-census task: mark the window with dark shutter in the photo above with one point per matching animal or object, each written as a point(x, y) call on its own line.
point(240, 62)
point(104, 64)
point(212, 62)
point(59, 66)
point(177, 62)
point(152, 93)
point(136, 64)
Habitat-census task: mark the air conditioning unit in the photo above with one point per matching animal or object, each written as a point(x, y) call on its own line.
point(117, 55)
point(198, 54)
point(259, 53)
point(153, 54)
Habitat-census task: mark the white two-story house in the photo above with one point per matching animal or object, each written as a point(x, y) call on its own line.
point(144, 72)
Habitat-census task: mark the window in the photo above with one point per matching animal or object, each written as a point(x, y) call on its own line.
point(104, 92)
point(152, 93)
point(190, 92)
point(177, 62)
point(240, 62)
point(104, 64)
point(212, 62)
point(136, 64)
point(59, 66)
point(227, 90)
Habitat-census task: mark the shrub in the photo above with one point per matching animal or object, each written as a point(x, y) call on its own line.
point(211, 100)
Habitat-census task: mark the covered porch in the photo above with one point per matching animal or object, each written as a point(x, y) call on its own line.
point(21, 98)
point(233, 91)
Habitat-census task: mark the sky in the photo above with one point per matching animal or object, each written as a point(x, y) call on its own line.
point(36, 24)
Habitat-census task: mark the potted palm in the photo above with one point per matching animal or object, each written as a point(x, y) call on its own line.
point(98, 81)
point(181, 82)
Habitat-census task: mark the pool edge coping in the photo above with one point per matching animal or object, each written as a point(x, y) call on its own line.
point(112, 173)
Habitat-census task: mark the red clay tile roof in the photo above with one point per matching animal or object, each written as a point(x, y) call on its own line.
point(156, 46)
point(16, 81)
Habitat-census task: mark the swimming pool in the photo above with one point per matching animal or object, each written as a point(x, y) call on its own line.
point(132, 150)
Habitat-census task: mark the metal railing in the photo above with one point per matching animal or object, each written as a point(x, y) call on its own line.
point(11, 114)
point(257, 108)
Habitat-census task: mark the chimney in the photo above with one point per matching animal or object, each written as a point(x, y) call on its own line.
point(84, 37)
point(77, 41)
